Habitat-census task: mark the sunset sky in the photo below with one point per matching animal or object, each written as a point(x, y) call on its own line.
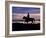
point(19, 12)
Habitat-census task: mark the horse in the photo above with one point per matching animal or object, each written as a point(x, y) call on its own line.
point(29, 19)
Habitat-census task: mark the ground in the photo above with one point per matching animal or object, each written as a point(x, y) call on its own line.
point(22, 27)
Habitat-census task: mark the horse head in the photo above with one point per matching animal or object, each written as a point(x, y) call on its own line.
point(24, 17)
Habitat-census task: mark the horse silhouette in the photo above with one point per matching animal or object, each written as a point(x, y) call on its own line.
point(27, 19)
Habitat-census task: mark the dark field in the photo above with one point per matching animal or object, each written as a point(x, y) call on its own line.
point(22, 27)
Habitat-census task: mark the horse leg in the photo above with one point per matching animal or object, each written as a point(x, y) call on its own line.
point(32, 22)
point(27, 21)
